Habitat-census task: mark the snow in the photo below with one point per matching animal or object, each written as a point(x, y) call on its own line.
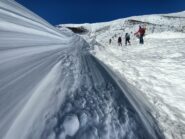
point(156, 68)
point(30, 50)
point(166, 35)
point(178, 14)
point(70, 126)
point(52, 87)
point(34, 102)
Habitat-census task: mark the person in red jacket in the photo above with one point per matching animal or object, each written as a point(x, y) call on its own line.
point(140, 33)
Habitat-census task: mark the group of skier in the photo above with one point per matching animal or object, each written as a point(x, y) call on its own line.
point(140, 34)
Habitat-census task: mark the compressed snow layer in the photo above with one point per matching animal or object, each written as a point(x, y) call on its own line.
point(36, 104)
point(22, 28)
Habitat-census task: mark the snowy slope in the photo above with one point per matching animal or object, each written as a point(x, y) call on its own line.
point(179, 14)
point(156, 68)
point(153, 23)
point(51, 87)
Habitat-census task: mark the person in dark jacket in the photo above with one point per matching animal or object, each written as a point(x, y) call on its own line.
point(119, 41)
point(127, 38)
point(140, 33)
point(110, 41)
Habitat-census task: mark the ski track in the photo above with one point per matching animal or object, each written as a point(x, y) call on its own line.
point(95, 108)
point(90, 97)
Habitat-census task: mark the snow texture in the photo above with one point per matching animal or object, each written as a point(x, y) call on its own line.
point(52, 87)
point(156, 68)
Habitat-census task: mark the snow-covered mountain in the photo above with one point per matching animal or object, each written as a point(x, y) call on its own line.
point(156, 68)
point(154, 23)
point(56, 85)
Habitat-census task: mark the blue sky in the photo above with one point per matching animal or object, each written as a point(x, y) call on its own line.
point(90, 11)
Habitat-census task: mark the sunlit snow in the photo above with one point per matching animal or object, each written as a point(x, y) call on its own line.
point(55, 84)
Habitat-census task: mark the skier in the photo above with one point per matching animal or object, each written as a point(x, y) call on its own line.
point(127, 38)
point(119, 41)
point(110, 41)
point(140, 33)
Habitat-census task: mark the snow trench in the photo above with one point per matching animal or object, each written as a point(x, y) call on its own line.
point(70, 94)
point(97, 108)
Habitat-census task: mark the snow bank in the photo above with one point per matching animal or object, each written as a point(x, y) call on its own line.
point(35, 108)
point(20, 27)
point(30, 49)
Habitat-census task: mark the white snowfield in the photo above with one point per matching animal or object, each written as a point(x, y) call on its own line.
point(52, 87)
point(156, 68)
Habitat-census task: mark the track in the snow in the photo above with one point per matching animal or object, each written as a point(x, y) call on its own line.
point(96, 107)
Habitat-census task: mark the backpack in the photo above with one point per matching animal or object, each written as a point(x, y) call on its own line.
point(142, 31)
point(127, 36)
